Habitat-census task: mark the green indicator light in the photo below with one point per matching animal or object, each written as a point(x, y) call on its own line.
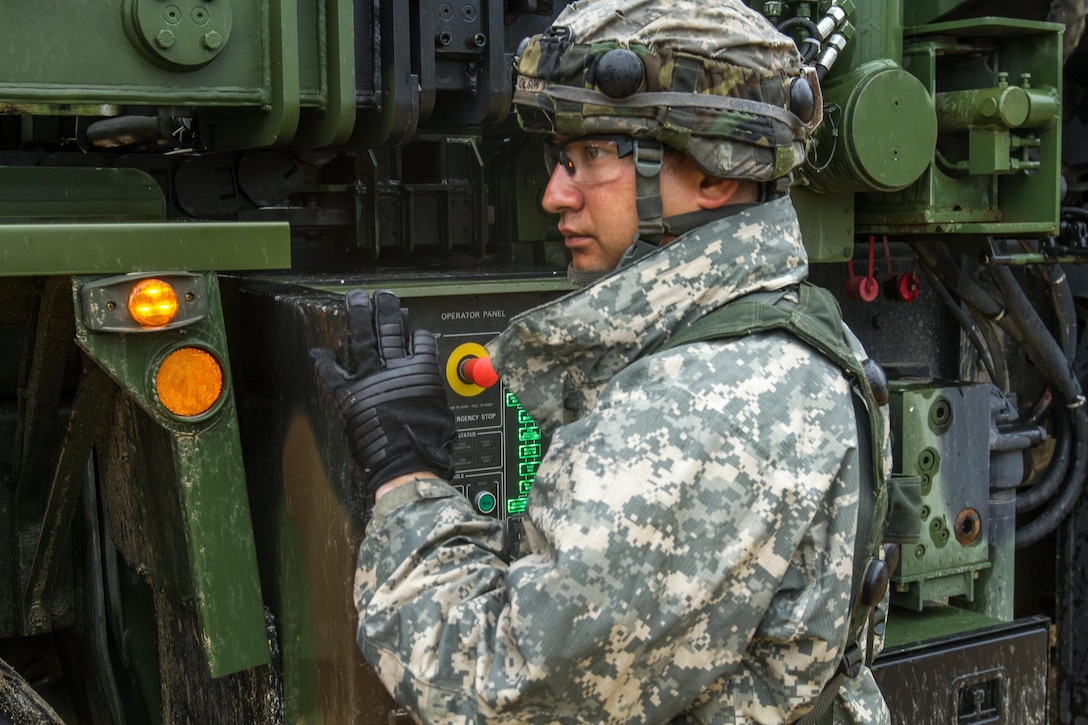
point(486, 502)
point(529, 453)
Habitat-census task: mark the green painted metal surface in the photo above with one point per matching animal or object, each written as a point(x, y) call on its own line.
point(827, 224)
point(984, 179)
point(328, 74)
point(184, 35)
point(210, 497)
point(878, 33)
point(254, 66)
point(941, 434)
point(275, 121)
point(918, 12)
point(938, 620)
point(108, 220)
point(49, 249)
point(97, 51)
point(76, 194)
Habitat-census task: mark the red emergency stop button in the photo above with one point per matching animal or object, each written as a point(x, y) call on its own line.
point(469, 371)
point(478, 371)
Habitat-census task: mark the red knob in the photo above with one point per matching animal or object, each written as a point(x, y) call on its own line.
point(861, 288)
point(478, 371)
point(909, 287)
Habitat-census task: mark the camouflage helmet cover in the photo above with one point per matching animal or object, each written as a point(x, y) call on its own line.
point(716, 81)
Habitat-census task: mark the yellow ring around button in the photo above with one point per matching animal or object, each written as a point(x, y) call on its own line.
point(462, 351)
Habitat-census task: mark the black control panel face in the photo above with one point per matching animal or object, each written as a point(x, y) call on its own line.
point(498, 447)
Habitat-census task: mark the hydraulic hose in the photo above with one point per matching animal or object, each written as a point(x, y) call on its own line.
point(1064, 307)
point(1048, 485)
point(1049, 355)
point(1056, 512)
point(131, 132)
point(1075, 212)
point(810, 46)
point(1054, 364)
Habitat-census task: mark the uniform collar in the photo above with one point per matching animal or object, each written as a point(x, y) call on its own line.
point(579, 341)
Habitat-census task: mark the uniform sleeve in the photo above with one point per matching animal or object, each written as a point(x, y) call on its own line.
point(685, 543)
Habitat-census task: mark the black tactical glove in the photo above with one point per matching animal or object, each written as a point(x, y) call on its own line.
point(394, 405)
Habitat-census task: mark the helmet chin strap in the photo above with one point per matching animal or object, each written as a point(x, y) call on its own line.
point(649, 156)
point(652, 227)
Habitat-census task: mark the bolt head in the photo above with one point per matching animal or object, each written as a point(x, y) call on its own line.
point(212, 40)
point(164, 39)
point(38, 617)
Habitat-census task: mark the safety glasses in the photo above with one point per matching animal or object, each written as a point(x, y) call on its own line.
point(589, 159)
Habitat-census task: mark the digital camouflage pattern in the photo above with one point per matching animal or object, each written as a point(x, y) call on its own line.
point(689, 534)
point(716, 82)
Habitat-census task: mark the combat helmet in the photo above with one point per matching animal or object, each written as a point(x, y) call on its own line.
point(710, 78)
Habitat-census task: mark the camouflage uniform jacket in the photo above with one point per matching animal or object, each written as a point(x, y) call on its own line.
point(689, 533)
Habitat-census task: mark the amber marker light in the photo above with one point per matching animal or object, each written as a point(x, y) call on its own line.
point(153, 303)
point(189, 382)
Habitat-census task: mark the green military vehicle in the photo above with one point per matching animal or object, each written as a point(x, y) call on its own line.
point(189, 187)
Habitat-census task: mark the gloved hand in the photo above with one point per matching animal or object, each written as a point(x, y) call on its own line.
point(391, 395)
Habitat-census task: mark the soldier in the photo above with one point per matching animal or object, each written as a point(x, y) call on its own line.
point(691, 530)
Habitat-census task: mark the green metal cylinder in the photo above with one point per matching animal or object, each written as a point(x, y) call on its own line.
point(879, 131)
point(1044, 106)
point(1002, 106)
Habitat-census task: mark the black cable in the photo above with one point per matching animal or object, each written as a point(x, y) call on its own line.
point(1046, 352)
point(812, 41)
point(1058, 509)
point(949, 272)
point(968, 326)
point(1056, 367)
point(1075, 212)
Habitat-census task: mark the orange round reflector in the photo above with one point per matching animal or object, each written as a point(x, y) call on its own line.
point(152, 303)
point(189, 381)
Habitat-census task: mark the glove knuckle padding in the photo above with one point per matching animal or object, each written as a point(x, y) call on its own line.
point(423, 344)
point(396, 418)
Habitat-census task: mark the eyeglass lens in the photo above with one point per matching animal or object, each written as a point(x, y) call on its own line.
point(586, 160)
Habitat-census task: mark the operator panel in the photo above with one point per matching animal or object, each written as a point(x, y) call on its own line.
point(498, 446)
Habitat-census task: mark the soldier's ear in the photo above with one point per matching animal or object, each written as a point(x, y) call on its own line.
point(690, 188)
point(715, 193)
point(712, 192)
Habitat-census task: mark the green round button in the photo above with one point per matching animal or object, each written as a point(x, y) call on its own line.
point(485, 502)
